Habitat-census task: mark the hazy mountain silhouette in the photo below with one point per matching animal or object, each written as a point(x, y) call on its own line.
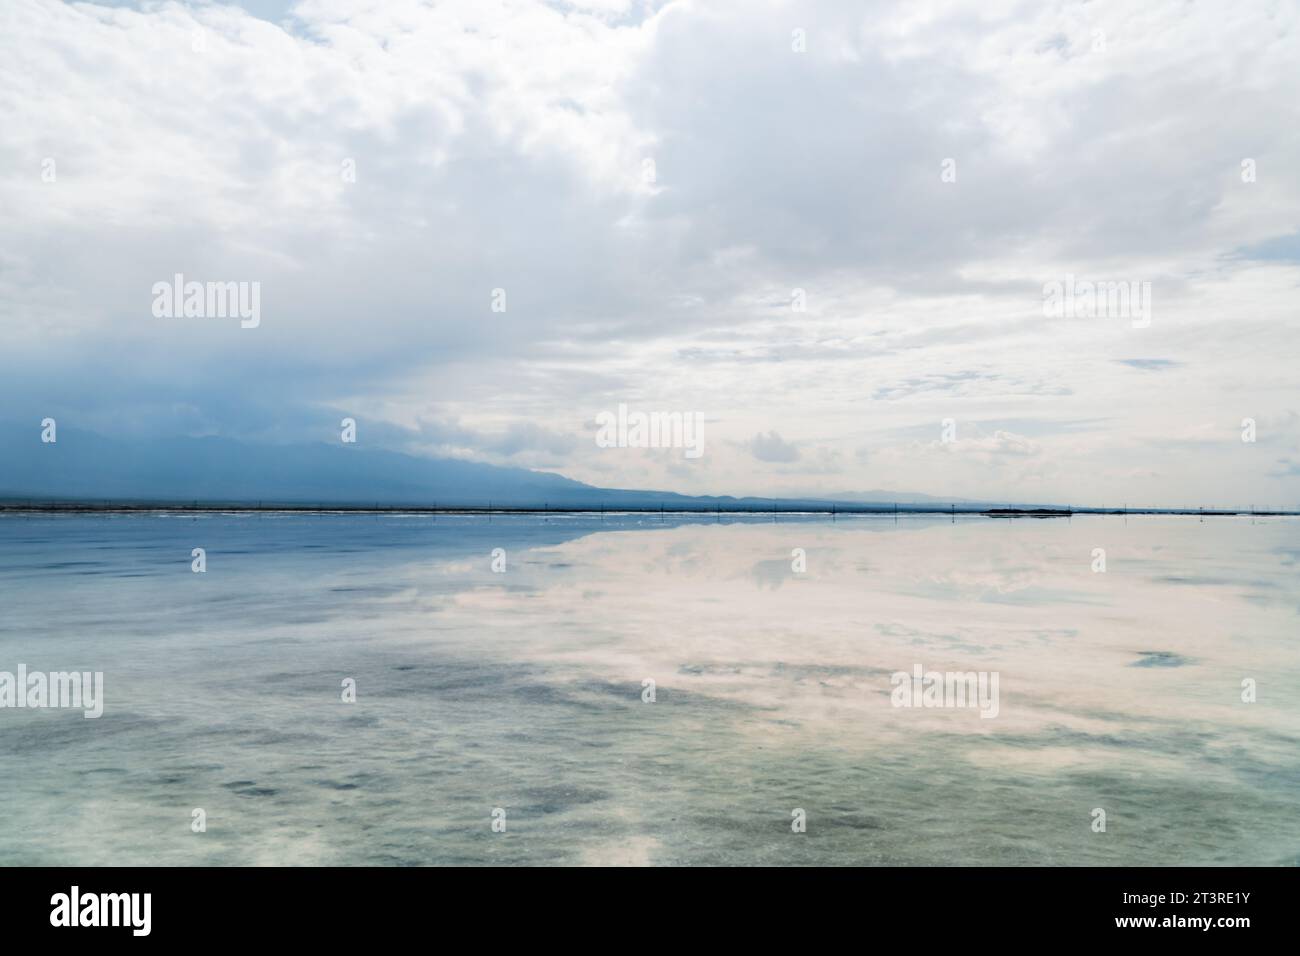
point(91, 467)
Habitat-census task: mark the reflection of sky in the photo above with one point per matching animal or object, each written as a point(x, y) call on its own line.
point(1019, 598)
point(522, 689)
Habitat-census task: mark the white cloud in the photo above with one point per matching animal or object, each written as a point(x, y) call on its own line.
point(772, 447)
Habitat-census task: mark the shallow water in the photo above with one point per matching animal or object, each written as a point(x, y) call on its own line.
point(523, 690)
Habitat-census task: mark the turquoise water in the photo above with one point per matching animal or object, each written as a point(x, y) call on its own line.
point(523, 690)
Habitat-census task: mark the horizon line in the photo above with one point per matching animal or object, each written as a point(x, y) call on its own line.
point(157, 506)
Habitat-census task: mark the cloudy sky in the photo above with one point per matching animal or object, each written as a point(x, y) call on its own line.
point(650, 183)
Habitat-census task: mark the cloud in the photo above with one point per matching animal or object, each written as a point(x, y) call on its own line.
point(1149, 365)
point(1008, 443)
point(988, 447)
point(772, 447)
point(514, 439)
point(380, 169)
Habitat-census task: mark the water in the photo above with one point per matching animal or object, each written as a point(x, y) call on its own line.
point(523, 690)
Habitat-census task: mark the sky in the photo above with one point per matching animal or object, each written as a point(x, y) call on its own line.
point(829, 230)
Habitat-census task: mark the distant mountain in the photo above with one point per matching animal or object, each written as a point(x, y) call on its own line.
point(901, 497)
point(83, 466)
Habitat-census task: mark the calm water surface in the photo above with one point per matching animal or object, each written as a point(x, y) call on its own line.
point(523, 690)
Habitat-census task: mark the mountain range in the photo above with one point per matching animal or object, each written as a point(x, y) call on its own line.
point(85, 466)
